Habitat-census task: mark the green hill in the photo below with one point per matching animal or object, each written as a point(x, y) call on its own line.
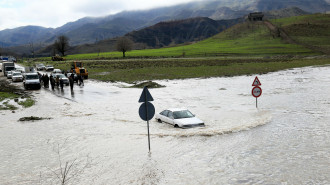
point(311, 31)
point(247, 39)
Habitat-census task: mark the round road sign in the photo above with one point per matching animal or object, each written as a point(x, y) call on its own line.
point(256, 91)
point(143, 111)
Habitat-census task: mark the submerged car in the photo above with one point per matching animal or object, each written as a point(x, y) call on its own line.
point(177, 117)
point(31, 80)
point(17, 76)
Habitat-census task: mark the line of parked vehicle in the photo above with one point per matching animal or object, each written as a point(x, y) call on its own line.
point(32, 78)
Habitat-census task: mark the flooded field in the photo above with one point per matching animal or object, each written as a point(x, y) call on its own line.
point(97, 129)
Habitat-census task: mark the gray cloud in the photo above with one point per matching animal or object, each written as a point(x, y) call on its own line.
point(55, 13)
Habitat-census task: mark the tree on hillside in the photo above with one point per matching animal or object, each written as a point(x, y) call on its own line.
point(32, 49)
point(124, 44)
point(62, 44)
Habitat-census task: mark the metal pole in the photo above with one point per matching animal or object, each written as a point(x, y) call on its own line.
point(256, 102)
point(147, 119)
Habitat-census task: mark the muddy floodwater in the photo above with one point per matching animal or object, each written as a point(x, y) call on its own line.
point(97, 129)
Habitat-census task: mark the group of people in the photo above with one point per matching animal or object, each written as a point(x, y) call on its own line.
point(45, 79)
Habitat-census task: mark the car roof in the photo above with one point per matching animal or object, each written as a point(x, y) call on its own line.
point(31, 73)
point(177, 109)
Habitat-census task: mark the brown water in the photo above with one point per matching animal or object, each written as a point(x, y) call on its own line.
point(285, 141)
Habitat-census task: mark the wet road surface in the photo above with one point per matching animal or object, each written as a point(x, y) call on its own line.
point(286, 140)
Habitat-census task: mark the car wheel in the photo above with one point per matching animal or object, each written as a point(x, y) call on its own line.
point(159, 121)
point(176, 126)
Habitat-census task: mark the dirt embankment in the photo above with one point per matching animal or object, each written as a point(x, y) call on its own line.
point(5, 86)
point(279, 32)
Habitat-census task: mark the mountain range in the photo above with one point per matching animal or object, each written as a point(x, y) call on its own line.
point(91, 30)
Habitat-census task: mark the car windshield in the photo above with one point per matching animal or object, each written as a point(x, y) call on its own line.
point(182, 114)
point(16, 74)
point(61, 75)
point(31, 77)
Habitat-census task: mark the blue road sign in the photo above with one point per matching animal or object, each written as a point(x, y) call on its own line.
point(143, 111)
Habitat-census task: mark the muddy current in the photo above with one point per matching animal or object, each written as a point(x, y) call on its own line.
point(97, 130)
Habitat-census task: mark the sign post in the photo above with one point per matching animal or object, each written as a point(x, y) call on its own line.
point(256, 91)
point(147, 109)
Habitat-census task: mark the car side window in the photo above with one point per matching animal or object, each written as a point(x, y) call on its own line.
point(170, 114)
point(164, 113)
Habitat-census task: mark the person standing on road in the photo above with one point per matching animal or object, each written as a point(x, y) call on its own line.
point(46, 81)
point(61, 83)
point(71, 81)
point(52, 82)
point(57, 81)
point(39, 75)
point(81, 80)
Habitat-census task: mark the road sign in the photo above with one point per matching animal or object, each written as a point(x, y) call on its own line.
point(256, 91)
point(146, 110)
point(143, 111)
point(145, 96)
point(256, 82)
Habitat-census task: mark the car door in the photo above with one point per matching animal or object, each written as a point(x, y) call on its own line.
point(169, 118)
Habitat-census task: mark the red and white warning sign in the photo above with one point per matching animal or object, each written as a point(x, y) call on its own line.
point(256, 82)
point(256, 91)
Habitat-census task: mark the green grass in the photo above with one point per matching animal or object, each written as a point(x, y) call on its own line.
point(7, 95)
point(132, 71)
point(7, 106)
point(27, 103)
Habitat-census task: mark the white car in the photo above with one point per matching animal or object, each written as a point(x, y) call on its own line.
point(9, 74)
point(40, 67)
point(49, 68)
point(31, 80)
point(179, 117)
point(17, 76)
point(61, 77)
point(20, 69)
point(57, 71)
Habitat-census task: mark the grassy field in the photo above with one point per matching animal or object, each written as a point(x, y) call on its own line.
point(310, 30)
point(133, 70)
point(244, 49)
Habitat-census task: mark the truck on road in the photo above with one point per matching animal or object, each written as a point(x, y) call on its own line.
point(78, 68)
point(7, 66)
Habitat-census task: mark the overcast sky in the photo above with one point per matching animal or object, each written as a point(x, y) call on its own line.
point(55, 13)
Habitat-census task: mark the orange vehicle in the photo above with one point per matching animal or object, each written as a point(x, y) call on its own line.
point(78, 68)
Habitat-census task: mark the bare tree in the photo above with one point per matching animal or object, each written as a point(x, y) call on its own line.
point(62, 44)
point(69, 171)
point(124, 44)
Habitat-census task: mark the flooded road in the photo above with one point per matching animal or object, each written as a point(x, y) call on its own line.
point(285, 141)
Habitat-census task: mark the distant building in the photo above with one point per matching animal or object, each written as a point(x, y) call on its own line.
point(256, 16)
